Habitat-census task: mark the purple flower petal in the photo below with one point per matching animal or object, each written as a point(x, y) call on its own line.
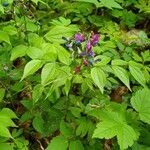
point(91, 53)
point(83, 53)
point(88, 46)
point(85, 62)
point(94, 39)
point(79, 38)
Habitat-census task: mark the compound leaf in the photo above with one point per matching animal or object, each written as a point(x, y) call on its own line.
point(141, 103)
point(114, 124)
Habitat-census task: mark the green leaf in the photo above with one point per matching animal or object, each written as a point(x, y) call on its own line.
point(89, 1)
point(1, 9)
point(67, 86)
point(137, 146)
point(26, 116)
point(37, 93)
point(129, 18)
point(41, 1)
point(50, 52)
point(4, 132)
point(146, 74)
point(119, 62)
point(2, 94)
point(146, 55)
point(76, 145)
point(34, 53)
point(123, 132)
point(63, 55)
point(48, 73)
point(141, 103)
point(35, 40)
point(58, 143)
point(38, 123)
point(85, 127)
point(136, 57)
point(144, 6)
point(6, 146)
point(18, 51)
point(28, 104)
point(137, 73)
point(77, 79)
point(110, 4)
point(75, 111)
point(4, 37)
point(104, 61)
point(122, 74)
point(57, 32)
point(31, 67)
point(114, 124)
point(103, 130)
point(61, 21)
point(99, 78)
point(66, 129)
point(5, 122)
point(31, 26)
point(35, 1)
point(8, 112)
point(103, 3)
point(11, 30)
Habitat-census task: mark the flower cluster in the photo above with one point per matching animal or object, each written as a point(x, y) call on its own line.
point(79, 38)
point(90, 43)
point(82, 46)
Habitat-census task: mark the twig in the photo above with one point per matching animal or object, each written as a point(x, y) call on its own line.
point(41, 146)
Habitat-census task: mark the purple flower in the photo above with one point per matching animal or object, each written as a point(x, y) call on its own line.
point(85, 62)
point(79, 38)
point(91, 53)
point(77, 69)
point(88, 46)
point(94, 39)
point(83, 53)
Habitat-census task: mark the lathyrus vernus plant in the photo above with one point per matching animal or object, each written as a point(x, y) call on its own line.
point(73, 103)
point(83, 91)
